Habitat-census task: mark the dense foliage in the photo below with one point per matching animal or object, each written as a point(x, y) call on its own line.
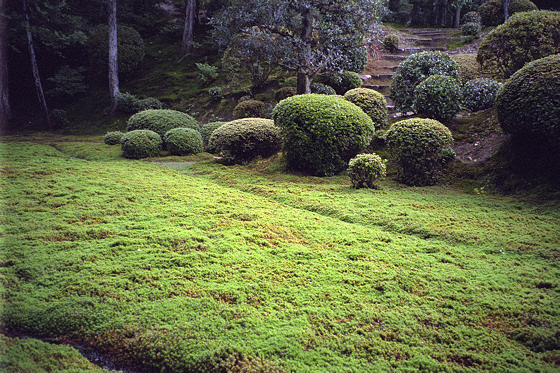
point(344, 82)
point(468, 66)
point(285, 92)
point(322, 133)
point(138, 144)
point(113, 137)
point(183, 141)
point(391, 43)
point(365, 169)
point(206, 132)
point(471, 29)
point(438, 97)
point(492, 11)
point(322, 89)
point(480, 94)
point(472, 16)
point(371, 102)
point(249, 109)
point(161, 121)
point(129, 103)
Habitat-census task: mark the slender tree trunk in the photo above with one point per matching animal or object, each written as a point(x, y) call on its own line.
point(186, 46)
point(113, 56)
point(5, 111)
point(34, 65)
point(304, 73)
point(506, 8)
point(457, 16)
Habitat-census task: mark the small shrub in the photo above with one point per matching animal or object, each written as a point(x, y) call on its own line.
point(129, 103)
point(68, 82)
point(468, 66)
point(492, 11)
point(216, 93)
point(161, 121)
point(322, 89)
point(59, 118)
point(140, 144)
point(371, 102)
point(183, 141)
point(480, 94)
point(285, 92)
point(471, 17)
point(418, 147)
point(244, 140)
point(438, 97)
point(249, 109)
point(206, 131)
point(357, 59)
point(322, 133)
point(471, 29)
point(206, 73)
point(365, 169)
point(113, 137)
point(391, 43)
point(149, 103)
point(346, 81)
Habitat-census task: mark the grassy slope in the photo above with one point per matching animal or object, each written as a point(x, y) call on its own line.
point(247, 266)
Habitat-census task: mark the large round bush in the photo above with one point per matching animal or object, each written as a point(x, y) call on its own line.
point(523, 38)
point(183, 141)
point(414, 70)
point(371, 102)
point(206, 132)
point(469, 67)
point(365, 169)
point(161, 121)
point(249, 109)
point(420, 149)
point(140, 144)
point(480, 94)
point(438, 97)
point(130, 46)
point(322, 133)
point(492, 11)
point(243, 140)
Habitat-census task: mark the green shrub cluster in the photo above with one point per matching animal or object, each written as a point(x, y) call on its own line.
point(206, 131)
point(523, 38)
point(420, 148)
point(129, 103)
point(471, 17)
point(468, 66)
point(249, 109)
point(68, 82)
point(480, 94)
point(113, 137)
point(161, 121)
point(183, 141)
point(471, 29)
point(138, 144)
point(344, 82)
point(357, 61)
point(322, 133)
point(371, 102)
point(391, 43)
point(322, 89)
point(492, 11)
point(243, 140)
point(206, 73)
point(438, 97)
point(59, 118)
point(365, 169)
point(285, 92)
point(414, 70)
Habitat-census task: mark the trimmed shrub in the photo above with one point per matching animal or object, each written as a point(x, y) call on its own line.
point(371, 102)
point(140, 144)
point(249, 109)
point(129, 103)
point(420, 149)
point(285, 92)
point(492, 12)
point(206, 131)
point(468, 66)
point(161, 121)
point(523, 38)
point(322, 133)
point(357, 59)
point(59, 118)
point(149, 104)
point(480, 94)
point(244, 140)
point(183, 141)
point(438, 97)
point(365, 169)
point(414, 70)
point(344, 82)
point(113, 137)
point(473, 17)
point(471, 29)
point(391, 43)
point(322, 89)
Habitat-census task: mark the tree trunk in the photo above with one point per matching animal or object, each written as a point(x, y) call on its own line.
point(113, 56)
point(304, 73)
point(506, 8)
point(457, 16)
point(186, 46)
point(5, 112)
point(34, 65)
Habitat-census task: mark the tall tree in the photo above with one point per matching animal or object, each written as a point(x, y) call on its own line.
point(5, 111)
point(188, 31)
point(113, 56)
point(506, 9)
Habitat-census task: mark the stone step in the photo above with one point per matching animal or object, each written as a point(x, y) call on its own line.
point(418, 40)
point(392, 68)
point(423, 49)
point(378, 76)
point(383, 89)
point(393, 57)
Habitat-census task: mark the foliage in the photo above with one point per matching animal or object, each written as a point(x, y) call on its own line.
point(371, 102)
point(161, 121)
point(344, 82)
point(129, 103)
point(183, 141)
point(468, 66)
point(321, 89)
point(322, 133)
point(391, 43)
point(471, 29)
point(138, 144)
point(249, 109)
point(243, 140)
point(472, 16)
point(438, 97)
point(206, 131)
point(480, 94)
point(59, 118)
point(418, 147)
point(150, 103)
point(285, 92)
point(414, 70)
point(113, 137)
point(357, 60)
point(492, 11)
point(365, 169)
point(68, 82)
point(216, 93)
point(206, 73)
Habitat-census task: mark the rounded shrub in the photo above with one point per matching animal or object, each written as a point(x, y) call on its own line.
point(243, 140)
point(148, 104)
point(183, 141)
point(471, 29)
point(161, 121)
point(206, 132)
point(365, 169)
point(471, 17)
point(420, 148)
point(468, 66)
point(140, 144)
point(438, 97)
point(523, 38)
point(492, 11)
point(480, 94)
point(371, 102)
point(113, 137)
point(249, 109)
point(344, 82)
point(322, 133)
point(357, 59)
point(391, 43)
point(130, 45)
point(322, 89)
point(285, 92)
point(414, 70)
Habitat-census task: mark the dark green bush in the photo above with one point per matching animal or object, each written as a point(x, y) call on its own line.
point(471, 29)
point(438, 97)
point(183, 141)
point(471, 17)
point(68, 82)
point(391, 43)
point(129, 103)
point(420, 149)
point(492, 12)
point(365, 169)
point(322, 89)
point(480, 94)
point(322, 133)
point(285, 92)
point(357, 61)
point(149, 103)
point(140, 144)
point(344, 82)
point(161, 121)
point(206, 131)
point(523, 38)
point(206, 73)
point(249, 109)
point(414, 70)
point(243, 140)
point(468, 66)
point(113, 137)
point(59, 118)
point(371, 102)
